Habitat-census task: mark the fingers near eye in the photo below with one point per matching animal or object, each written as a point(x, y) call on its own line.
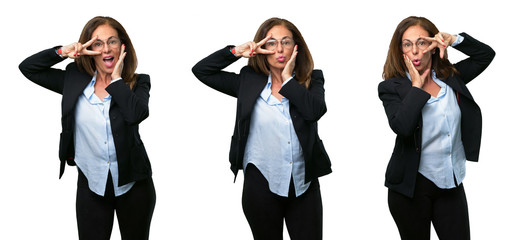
point(88, 43)
point(265, 39)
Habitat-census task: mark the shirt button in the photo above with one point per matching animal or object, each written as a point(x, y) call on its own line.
point(288, 142)
point(290, 162)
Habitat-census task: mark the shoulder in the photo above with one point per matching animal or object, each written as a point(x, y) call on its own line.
point(142, 81)
point(317, 75)
point(392, 83)
point(72, 67)
point(247, 70)
point(143, 77)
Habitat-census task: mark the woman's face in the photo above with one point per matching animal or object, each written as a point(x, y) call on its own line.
point(109, 45)
point(413, 45)
point(283, 44)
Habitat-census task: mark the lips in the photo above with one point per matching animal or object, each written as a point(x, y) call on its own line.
point(416, 62)
point(109, 61)
point(281, 59)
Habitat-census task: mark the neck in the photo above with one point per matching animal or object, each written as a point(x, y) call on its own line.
point(276, 76)
point(103, 77)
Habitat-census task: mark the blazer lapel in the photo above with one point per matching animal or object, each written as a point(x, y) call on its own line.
point(458, 85)
point(74, 85)
point(250, 90)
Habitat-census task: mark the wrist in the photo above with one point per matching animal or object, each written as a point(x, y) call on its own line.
point(60, 53)
point(234, 51)
point(417, 85)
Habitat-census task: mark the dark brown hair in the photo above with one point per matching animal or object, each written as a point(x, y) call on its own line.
point(395, 66)
point(304, 60)
point(86, 63)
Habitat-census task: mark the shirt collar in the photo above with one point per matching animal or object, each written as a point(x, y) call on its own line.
point(89, 91)
point(266, 93)
point(443, 86)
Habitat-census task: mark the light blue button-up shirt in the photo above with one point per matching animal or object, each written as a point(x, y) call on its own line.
point(442, 159)
point(273, 146)
point(95, 152)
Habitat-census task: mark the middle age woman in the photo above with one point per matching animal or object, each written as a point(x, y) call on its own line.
point(280, 98)
point(438, 126)
point(103, 102)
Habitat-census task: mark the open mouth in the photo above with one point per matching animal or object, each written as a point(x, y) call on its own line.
point(108, 61)
point(416, 62)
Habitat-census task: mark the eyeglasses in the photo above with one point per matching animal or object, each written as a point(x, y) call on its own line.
point(113, 43)
point(272, 44)
point(408, 45)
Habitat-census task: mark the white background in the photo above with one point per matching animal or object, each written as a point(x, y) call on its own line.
point(188, 132)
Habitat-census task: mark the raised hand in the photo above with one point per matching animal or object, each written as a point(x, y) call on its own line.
point(416, 79)
point(74, 50)
point(290, 65)
point(441, 40)
point(119, 66)
point(250, 49)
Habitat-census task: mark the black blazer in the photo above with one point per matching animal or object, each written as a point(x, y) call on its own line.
point(403, 104)
point(307, 106)
point(128, 108)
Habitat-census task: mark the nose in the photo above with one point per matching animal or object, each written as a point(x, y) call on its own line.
point(414, 49)
point(105, 47)
point(280, 47)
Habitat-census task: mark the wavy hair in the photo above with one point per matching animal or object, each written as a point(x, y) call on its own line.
point(86, 63)
point(304, 60)
point(395, 66)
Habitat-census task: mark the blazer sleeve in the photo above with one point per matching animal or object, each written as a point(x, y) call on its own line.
point(310, 103)
point(480, 56)
point(133, 104)
point(37, 68)
point(403, 111)
point(209, 71)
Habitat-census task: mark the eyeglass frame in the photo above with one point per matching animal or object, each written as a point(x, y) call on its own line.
point(108, 43)
point(417, 44)
point(281, 42)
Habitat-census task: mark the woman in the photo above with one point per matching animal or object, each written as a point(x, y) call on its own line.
point(280, 98)
point(103, 101)
point(438, 127)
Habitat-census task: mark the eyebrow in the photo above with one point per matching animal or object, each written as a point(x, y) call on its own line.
point(418, 39)
point(286, 37)
point(107, 39)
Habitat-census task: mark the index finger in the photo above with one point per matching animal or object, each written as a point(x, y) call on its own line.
point(264, 51)
point(263, 41)
point(90, 52)
point(433, 45)
point(88, 43)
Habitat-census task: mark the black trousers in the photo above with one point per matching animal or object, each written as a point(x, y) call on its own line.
point(447, 209)
point(95, 213)
point(266, 211)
